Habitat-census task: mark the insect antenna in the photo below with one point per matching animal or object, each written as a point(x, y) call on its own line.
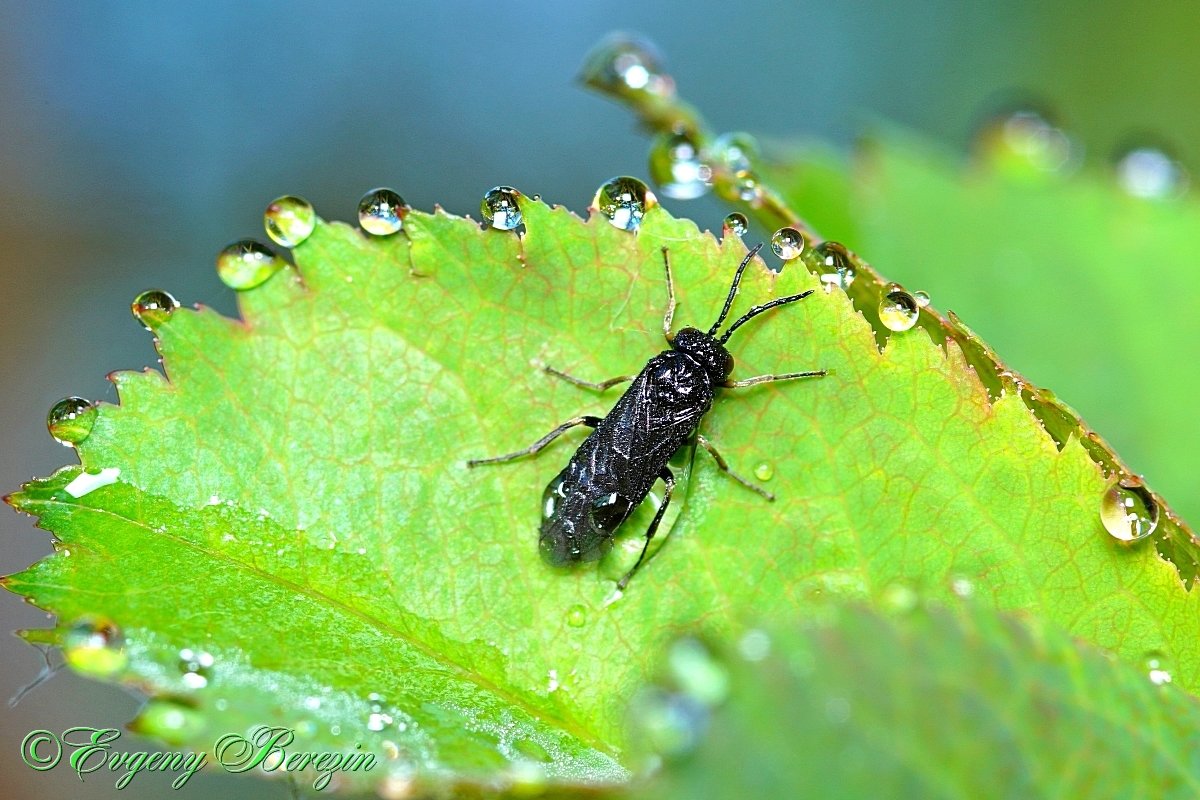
point(754, 312)
point(737, 278)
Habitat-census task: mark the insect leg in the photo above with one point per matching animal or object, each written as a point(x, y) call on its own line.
point(723, 465)
point(670, 315)
point(599, 387)
point(668, 478)
point(786, 376)
point(591, 422)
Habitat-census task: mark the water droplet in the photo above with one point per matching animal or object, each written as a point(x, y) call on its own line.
point(735, 152)
point(697, 672)
point(87, 482)
point(1157, 668)
point(196, 667)
point(748, 189)
point(764, 471)
point(552, 683)
point(836, 270)
point(95, 646)
point(289, 220)
point(246, 264)
point(169, 720)
point(623, 201)
point(1150, 173)
point(736, 223)
point(627, 65)
point(1128, 510)
point(501, 208)
point(670, 723)
point(378, 720)
point(677, 168)
point(788, 243)
point(71, 420)
point(898, 311)
point(381, 212)
point(922, 298)
point(152, 307)
point(899, 597)
point(755, 645)
point(577, 615)
point(962, 586)
point(1026, 139)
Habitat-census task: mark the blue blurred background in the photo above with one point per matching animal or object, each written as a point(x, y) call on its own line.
point(136, 139)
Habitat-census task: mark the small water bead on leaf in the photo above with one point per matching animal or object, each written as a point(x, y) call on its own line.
point(677, 168)
point(577, 615)
point(788, 243)
point(899, 597)
point(623, 201)
point(196, 667)
point(764, 471)
point(381, 212)
point(1157, 668)
point(736, 223)
point(169, 720)
point(898, 310)
point(1128, 510)
point(835, 268)
point(246, 264)
point(95, 646)
point(626, 65)
point(1150, 173)
point(71, 420)
point(501, 208)
point(922, 298)
point(289, 220)
point(152, 307)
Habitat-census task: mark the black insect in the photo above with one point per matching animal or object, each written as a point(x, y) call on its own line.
point(616, 466)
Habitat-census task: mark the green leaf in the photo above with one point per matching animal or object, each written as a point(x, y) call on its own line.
point(927, 704)
point(1108, 278)
point(294, 501)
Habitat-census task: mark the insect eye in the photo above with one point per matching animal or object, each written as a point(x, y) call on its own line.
point(608, 511)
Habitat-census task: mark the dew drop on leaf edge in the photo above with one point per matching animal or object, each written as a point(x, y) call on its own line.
point(627, 65)
point(71, 420)
point(623, 201)
point(834, 265)
point(95, 646)
point(289, 220)
point(501, 208)
point(152, 307)
point(787, 243)
point(195, 667)
point(169, 720)
point(381, 212)
point(898, 310)
point(736, 224)
point(1128, 511)
point(246, 264)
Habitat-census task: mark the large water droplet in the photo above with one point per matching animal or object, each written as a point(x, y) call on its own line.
point(788, 243)
point(71, 420)
point(898, 310)
point(676, 167)
point(627, 65)
point(577, 615)
point(1149, 172)
point(735, 152)
point(289, 220)
point(736, 223)
point(921, 297)
point(196, 667)
point(836, 270)
point(1128, 510)
point(623, 201)
point(697, 672)
point(501, 208)
point(246, 264)
point(95, 646)
point(381, 212)
point(169, 720)
point(1027, 139)
point(152, 307)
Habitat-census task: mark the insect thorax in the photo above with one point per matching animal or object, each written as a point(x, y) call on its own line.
point(706, 351)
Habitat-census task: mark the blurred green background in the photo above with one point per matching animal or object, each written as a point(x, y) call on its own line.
point(136, 140)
